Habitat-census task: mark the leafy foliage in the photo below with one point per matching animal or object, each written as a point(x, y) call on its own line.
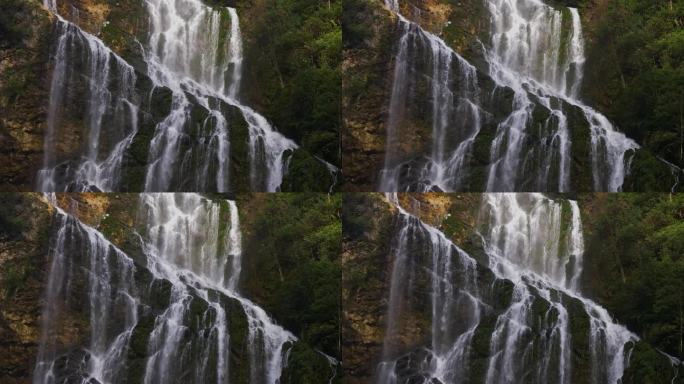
point(293, 270)
point(635, 254)
point(636, 71)
point(296, 59)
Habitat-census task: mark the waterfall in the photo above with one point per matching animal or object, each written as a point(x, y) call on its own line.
point(111, 113)
point(454, 301)
point(522, 235)
point(182, 230)
point(533, 245)
point(184, 245)
point(235, 54)
point(526, 44)
point(111, 302)
point(234, 247)
point(192, 53)
point(529, 54)
point(185, 47)
point(334, 172)
point(185, 248)
point(455, 114)
point(536, 51)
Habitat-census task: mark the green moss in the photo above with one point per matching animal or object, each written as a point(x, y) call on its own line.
point(239, 150)
point(125, 27)
point(239, 339)
point(467, 25)
point(566, 26)
point(452, 225)
point(566, 222)
point(137, 349)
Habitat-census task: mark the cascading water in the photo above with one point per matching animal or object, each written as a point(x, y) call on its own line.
point(111, 113)
point(525, 231)
point(531, 55)
point(111, 297)
point(186, 249)
point(522, 235)
point(533, 251)
point(184, 245)
point(526, 47)
point(455, 304)
point(455, 114)
point(536, 51)
point(185, 47)
point(192, 53)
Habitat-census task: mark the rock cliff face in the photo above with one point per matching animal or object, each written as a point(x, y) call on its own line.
point(24, 88)
point(369, 36)
point(372, 233)
point(36, 242)
point(23, 261)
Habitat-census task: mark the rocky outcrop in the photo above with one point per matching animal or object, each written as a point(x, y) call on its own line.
point(367, 229)
point(24, 236)
point(24, 89)
point(370, 33)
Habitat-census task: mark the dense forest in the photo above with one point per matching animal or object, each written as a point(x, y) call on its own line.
point(638, 75)
point(637, 273)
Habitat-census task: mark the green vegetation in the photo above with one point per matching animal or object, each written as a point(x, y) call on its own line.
point(295, 57)
point(305, 173)
point(293, 267)
point(306, 366)
point(635, 71)
point(635, 263)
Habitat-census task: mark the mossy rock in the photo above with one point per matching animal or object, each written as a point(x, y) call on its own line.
point(648, 174)
point(306, 173)
point(307, 366)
